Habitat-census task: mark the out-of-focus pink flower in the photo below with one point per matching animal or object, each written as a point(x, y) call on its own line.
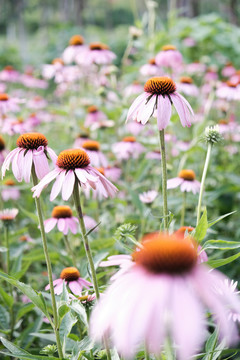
point(113, 173)
point(12, 126)
point(148, 197)
point(228, 70)
point(74, 165)
point(124, 261)
point(187, 87)
point(3, 152)
point(133, 89)
point(229, 91)
point(26, 238)
point(73, 280)
point(127, 148)
point(8, 103)
point(80, 140)
point(62, 217)
point(37, 103)
point(31, 150)
point(160, 93)
point(50, 71)
point(154, 155)
point(151, 69)
point(28, 80)
point(76, 46)
point(10, 191)
point(196, 68)
point(181, 290)
point(135, 127)
point(189, 42)
point(3, 88)
point(232, 287)
point(94, 116)
point(8, 214)
point(89, 222)
point(97, 158)
point(170, 57)
point(96, 53)
point(9, 74)
point(186, 181)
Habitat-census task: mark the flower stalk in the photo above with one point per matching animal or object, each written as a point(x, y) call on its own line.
point(183, 208)
point(49, 267)
point(164, 179)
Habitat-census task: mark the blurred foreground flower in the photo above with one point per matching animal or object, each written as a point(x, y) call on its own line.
point(32, 149)
point(74, 165)
point(10, 191)
point(177, 291)
point(160, 93)
point(62, 217)
point(72, 277)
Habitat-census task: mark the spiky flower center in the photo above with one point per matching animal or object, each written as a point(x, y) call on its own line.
point(76, 40)
point(186, 80)
point(152, 61)
point(168, 47)
point(9, 182)
point(2, 143)
point(131, 139)
point(98, 46)
point(31, 141)
point(72, 159)
point(187, 174)
point(23, 238)
point(62, 211)
point(70, 274)
point(160, 86)
point(92, 109)
point(91, 145)
point(57, 61)
point(167, 254)
point(4, 97)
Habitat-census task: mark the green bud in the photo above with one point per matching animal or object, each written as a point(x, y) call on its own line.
point(212, 135)
point(49, 349)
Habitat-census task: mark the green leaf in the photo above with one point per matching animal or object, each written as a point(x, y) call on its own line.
point(99, 257)
point(221, 244)
point(4, 318)
point(201, 229)
point(16, 351)
point(220, 218)
point(221, 262)
point(37, 299)
point(81, 346)
point(24, 310)
point(79, 310)
point(63, 310)
point(8, 299)
point(29, 214)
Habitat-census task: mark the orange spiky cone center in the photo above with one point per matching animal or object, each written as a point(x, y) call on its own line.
point(31, 141)
point(162, 85)
point(70, 274)
point(61, 211)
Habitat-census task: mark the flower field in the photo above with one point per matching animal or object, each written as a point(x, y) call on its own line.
point(119, 202)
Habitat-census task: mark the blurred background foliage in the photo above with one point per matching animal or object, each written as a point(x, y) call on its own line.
point(36, 31)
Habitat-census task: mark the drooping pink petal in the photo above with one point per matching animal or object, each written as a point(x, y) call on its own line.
point(81, 175)
point(182, 109)
point(8, 160)
point(188, 323)
point(27, 165)
point(72, 225)
point(173, 183)
point(61, 224)
point(52, 154)
point(75, 287)
point(49, 224)
point(17, 165)
point(55, 282)
point(146, 110)
point(68, 184)
point(137, 102)
point(45, 181)
point(164, 111)
point(57, 186)
point(84, 283)
point(40, 162)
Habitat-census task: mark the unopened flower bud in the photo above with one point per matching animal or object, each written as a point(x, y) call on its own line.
point(212, 135)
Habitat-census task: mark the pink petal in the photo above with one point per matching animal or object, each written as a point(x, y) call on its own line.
point(8, 160)
point(146, 111)
point(182, 109)
point(27, 165)
point(173, 183)
point(75, 287)
point(137, 102)
point(72, 225)
point(68, 185)
point(57, 186)
point(164, 110)
point(40, 162)
point(45, 181)
point(52, 154)
point(17, 165)
point(49, 224)
point(61, 224)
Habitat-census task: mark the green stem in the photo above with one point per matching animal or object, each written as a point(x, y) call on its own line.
point(147, 356)
point(69, 249)
point(183, 208)
point(49, 267)
point(6, 235)
point(77, 201)
point(203, 181)
point(164, 179)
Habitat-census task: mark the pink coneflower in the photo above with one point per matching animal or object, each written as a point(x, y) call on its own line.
point(127, 148)
point(10, 191)
point(12, 126)
point(187, 87)
point(164, 294)
point(74, 165)
point(28, 80)
point(8, 215)
point(228, 91)
point(124, 261)
point(37, 103)
point(154, 155)
point(160, 93)
point(8, 103)
point(3, 152)
point(9, 74)
point(133, 89)
point(53, 70)
point(189, 42)
point(32, 149)
point(196, 68)
point(113, 173)
point(97, 158)
point(228, 70)
point(97, 53)
point(72, 278)
point(94, 116)
point(89, 222)
point(76, 46)
point(148, 197)
point(151, 69)
point(80, 140)
point(134, 127)
point(186, 181)
point(62, 217)
point(26, 238)
point(170, 57)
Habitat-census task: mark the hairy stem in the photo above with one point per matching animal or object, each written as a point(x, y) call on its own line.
point(164, 179)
